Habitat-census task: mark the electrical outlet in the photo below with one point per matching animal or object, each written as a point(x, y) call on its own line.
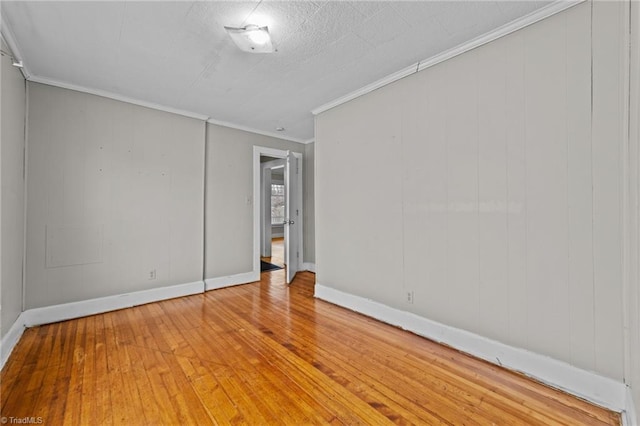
point(152, 274)
point(410, 297)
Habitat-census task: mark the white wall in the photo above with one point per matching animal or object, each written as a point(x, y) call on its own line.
point(115, 191)
point(12, 116)
point(501, 197)
point(229, 199)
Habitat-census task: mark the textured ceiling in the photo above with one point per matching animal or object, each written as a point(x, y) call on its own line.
point(177, 54)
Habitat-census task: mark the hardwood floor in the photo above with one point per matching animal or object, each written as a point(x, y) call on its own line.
point(277, 252)
point(263, 353)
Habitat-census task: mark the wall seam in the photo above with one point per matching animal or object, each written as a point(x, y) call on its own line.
point(204, 205)
point(567, 195)
point(25, 181)
point(625, 177)
point(593, 254)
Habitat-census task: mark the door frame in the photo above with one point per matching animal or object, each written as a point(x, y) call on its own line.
point(257, 207)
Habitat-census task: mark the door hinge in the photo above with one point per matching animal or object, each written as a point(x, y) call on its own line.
point(298, 254)
point(297, 212)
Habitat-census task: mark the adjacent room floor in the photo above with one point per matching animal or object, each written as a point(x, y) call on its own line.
point(277, 252)
point(264, 353)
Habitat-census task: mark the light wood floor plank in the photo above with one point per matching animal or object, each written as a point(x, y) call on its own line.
point(264, 353)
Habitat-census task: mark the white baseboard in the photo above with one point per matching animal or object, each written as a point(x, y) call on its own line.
point(231, 280)
point(593, 387)
point(630, 415)
point(65, 311)
point(10, 340)
point(308, 266)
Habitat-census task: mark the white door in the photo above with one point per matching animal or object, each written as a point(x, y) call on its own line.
point(292, 216)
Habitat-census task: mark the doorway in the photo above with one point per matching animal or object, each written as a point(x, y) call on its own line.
point(267, 163)
point(276, 261)
point(273, 209)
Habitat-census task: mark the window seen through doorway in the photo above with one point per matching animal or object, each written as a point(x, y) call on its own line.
point(277, 204)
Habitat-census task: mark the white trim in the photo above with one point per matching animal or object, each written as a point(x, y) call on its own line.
point(520, 23)
point(66, 311)
point(276, 135)
point(412, 69)
point(630, 415)
point(10, 40)
point(152, 105)
point(540, 14)
point(277, 153)
point(116, 96)
point(584, 384)
point(308, 141)
point(231, 280)
point(309, 266)
point(257, 215)
point(10, 339)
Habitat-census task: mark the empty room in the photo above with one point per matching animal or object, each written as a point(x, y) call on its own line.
point(320, 212)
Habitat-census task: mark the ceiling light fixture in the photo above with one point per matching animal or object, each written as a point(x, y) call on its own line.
point(280, 129)
point(252, 38)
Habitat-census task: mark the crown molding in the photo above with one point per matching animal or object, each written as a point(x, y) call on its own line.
point(159, 107)
point(552, 9)
point(116, 96)
point(540, 14)
point(366, 89)
point(10, 41)
point(252, 130)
